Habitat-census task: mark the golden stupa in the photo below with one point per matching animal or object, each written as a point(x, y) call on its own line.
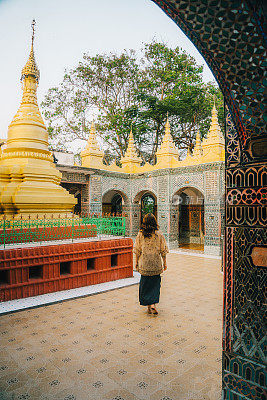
point(29, 180)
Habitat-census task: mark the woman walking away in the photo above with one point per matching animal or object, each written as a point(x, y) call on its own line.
point(150, 250)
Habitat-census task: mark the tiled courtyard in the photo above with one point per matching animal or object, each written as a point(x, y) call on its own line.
point(105, 346)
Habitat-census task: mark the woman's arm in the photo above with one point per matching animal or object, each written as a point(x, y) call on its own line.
point(137, 250)
point(163, 251)
point(136, 261)
point(164, 259)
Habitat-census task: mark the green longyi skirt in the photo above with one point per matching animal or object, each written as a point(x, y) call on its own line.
point(149, 290)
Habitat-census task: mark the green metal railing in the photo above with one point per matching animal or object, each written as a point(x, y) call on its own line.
point(44, 229)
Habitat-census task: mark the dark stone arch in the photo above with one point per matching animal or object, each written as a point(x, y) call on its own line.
point(111, 194)
point(137, 207)
point(230, 36)
point(116, 203)
point(189, 226)
point(138, 196)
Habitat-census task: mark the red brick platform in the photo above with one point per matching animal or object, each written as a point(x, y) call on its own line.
point(31, 271)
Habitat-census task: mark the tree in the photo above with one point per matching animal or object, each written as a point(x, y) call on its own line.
point(125, 91)
point(104, 84)
point(192, 112)
point(172, 83)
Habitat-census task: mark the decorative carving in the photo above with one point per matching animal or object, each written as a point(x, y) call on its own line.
point(232, 141)
point(228, 290)
point(27, 154)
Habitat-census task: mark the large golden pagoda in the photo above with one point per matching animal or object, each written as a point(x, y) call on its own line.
point(29, 180)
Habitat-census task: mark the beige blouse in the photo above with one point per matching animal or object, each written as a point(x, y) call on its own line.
point(149, 253)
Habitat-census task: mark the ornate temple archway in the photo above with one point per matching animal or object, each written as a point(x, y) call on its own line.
point(189, 203)
point(148, 205)
point(230, 36)
point(144, 202)
point(114, 202)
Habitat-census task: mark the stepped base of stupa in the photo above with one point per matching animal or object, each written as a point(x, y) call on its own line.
point(33, 189)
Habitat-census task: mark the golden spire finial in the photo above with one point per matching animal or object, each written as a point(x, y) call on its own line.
point(213, 144)
point(30, 68)
point(92, 155)
point(167, 148)
point(92, 146)
point(131, 144)
point(92, 128)
point(33, 30)
point(131, 155)
point(197, 151)
point(131, 138)
point(167, 126)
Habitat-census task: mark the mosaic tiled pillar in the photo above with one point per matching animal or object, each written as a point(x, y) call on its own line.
point(85, 198)
point(95, 206)
point(174, 225)
point(212, 238)
point(136, 215)
point(126, 211)
point(163, 205)
point(164, 220)
point(212, 209)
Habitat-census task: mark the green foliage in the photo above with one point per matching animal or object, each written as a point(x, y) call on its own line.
point(124, 91)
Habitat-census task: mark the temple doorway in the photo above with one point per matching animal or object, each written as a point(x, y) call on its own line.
point(191, 229)
point(112, 203)
point(144, 202)
point(148, 205)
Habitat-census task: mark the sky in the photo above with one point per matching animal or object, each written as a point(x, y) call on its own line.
point(65, 30)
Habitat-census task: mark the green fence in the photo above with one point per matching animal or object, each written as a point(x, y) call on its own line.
point(44, 229)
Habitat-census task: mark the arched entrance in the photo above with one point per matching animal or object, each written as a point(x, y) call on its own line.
point(144, 202)
point(113, 202)
point(231, 37)
point(148, 205)
point(190, 218)
point(116, 204)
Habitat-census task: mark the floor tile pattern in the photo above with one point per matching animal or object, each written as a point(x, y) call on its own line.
point(106, 347)
point(54, 297)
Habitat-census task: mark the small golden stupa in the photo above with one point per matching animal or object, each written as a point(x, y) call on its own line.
point(131, 161)
point(167, 154)
point(213, 146)
point(29, 180)
point(92, 156)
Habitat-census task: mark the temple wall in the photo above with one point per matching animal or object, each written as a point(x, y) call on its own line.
point(202, 181)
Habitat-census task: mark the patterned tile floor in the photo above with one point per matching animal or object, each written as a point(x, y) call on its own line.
point(105, 346)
